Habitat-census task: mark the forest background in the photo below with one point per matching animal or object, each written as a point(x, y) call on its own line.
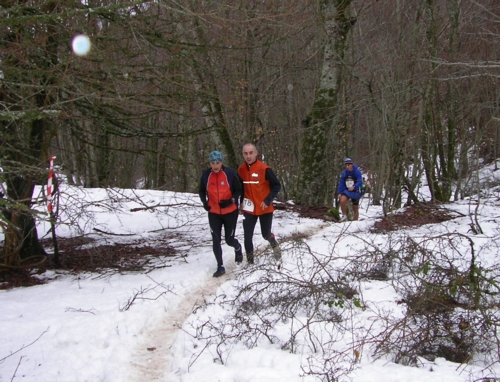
point(407, 88)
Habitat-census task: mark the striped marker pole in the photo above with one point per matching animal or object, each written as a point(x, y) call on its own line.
point(49, 185)
point(50, 196)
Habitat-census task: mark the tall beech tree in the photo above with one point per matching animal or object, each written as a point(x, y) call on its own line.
point(325, 116)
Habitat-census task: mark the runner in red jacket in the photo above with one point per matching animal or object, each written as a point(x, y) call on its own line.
point(219, 191)
point(260, 187)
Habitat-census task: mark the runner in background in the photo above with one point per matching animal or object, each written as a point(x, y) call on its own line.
point(350, 188)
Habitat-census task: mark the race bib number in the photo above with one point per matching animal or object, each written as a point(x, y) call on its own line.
point(248, 205)
point(349, 183)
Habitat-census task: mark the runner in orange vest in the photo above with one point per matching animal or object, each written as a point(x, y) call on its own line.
point(260, 187)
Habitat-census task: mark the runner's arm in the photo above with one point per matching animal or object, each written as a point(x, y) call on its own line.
point(342, 187)
point(274, 184)
point(202, 191)
point(237, 189)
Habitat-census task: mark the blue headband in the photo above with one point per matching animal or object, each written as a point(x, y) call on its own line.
point(216, 156)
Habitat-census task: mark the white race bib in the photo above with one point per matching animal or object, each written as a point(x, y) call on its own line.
point(349, 183)
point(248, 205)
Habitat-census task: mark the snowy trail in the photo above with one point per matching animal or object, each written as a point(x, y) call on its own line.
point(152, 359)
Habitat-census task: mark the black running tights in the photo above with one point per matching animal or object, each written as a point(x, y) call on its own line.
point(249, 222)
point(216, 223)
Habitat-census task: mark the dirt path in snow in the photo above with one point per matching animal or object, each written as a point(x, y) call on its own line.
point(153, 359)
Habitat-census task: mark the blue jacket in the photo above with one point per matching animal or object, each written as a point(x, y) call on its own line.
point(353, 176)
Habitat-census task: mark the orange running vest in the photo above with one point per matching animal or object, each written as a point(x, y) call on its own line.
point(255, 186)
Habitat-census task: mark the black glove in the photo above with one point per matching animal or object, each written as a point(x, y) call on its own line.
point(226, 203)
point(206, 207)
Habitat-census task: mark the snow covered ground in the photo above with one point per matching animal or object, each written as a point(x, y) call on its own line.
point(161, 325)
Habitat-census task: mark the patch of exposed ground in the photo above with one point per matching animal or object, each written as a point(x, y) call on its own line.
point(414, 216)
point(79, 254)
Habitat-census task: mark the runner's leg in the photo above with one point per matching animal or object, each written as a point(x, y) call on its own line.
point(248, 230)
point(343, 204)
point(266, 223)
point(230, 221)
point(355, 208)
point(215, 223)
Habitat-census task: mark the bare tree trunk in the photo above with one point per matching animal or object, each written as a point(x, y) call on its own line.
point(21, 237)
point(212, 109)
point(439, 123)
point(188, 157)
point(324, 116)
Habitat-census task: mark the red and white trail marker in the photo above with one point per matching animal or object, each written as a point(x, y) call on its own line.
point(50, 189)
